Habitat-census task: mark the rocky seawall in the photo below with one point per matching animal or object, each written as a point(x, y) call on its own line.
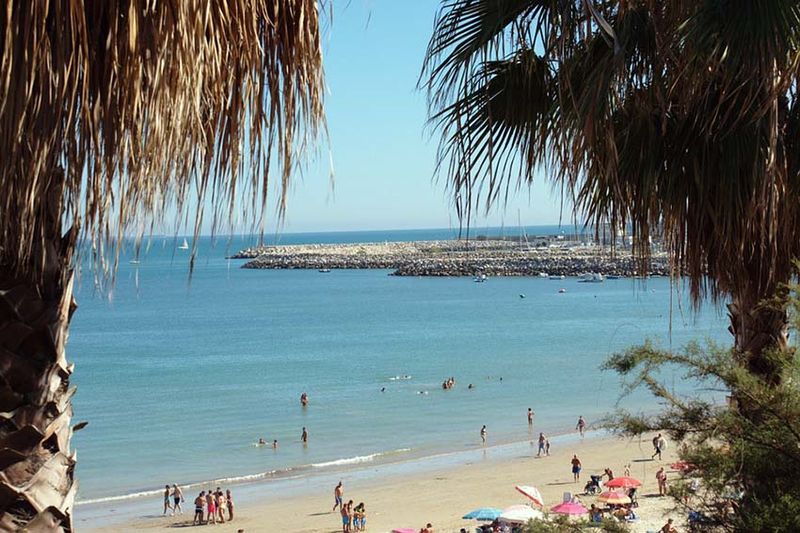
point(453, 258)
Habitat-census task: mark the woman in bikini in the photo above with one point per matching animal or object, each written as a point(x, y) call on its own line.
point(221, 505)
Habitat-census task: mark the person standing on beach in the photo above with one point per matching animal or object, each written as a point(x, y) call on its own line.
point(661, 477)
point(581, 426)
point(530, 416)
point(547, 446)
point(576, 468)
point(167, 506)
point(542, 441)
point(221, 506)
point(177, 497)
point(657, 446)
point(304, 436)
point(229, 500)
point(199, 503)
point(483, 434)
point(338, 492)
point(211, 508)
point(345, 512)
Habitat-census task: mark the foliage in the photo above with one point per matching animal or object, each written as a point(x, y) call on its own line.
point(564, 524)
point(663, 115)
point(119, 113)
point(746, 452)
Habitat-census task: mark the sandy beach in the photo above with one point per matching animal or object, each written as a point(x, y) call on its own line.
point(443, 496)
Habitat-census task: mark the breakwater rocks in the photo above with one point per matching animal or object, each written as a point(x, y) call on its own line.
point(453, 258)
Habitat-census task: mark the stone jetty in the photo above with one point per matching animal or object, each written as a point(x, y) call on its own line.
point(454, 258)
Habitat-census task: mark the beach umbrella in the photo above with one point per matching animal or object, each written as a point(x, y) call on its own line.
point(569, 508)
point(484, 513)
point(519, 514)
point(405, 530)
point(623, 482)
point(532, 493)
point(612, 497)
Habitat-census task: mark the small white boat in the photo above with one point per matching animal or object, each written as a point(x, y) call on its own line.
point(557, 277)
point(324, 270)
point(184, 245)
point(543, 274)
point(592, 278)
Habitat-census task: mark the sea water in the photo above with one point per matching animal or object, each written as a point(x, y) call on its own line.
point(178, 377)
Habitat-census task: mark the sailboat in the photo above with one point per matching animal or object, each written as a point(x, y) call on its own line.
point(184, 245)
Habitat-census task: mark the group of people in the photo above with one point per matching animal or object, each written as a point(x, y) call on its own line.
point(544, 445)
point(210, 507)
point(173, 494)
point(303, 439)
point(449, 383)
point(353, 518)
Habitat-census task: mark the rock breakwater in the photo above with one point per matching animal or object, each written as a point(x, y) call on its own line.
point(453, 258)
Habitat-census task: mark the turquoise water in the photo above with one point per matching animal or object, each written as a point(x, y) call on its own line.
point(179, 379)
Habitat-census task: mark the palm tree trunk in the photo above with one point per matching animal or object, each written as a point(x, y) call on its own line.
point(760, 333)
point(37, 486)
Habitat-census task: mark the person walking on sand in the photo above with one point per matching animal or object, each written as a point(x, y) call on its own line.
point(581, 426)
point(177, 497)
point(167, 506)
point(483, 434)
point(542, 441)
point(657, 446)
point(338, 492)
point(304, 436)
point(199, 503)
point(530, 416)
point(547, 446)
point(229, 501)
point(661, 477)
point(576, 468)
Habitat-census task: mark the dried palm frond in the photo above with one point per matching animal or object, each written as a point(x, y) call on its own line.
point(116, 113)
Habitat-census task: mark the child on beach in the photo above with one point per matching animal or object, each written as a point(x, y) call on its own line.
point(546, 446)
point(360, 517)
point(542, 444)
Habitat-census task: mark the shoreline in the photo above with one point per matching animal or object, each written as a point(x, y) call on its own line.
point(456, 258)
point(467, 479)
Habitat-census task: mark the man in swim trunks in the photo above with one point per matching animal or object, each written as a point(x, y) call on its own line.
point(211, 508)
point(338, 492)
point(199, 503)
point(177, 497)
point(345, 512)
point(576, 468)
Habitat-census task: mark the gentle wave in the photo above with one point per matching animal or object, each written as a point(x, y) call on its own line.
point(359, 459)
point(249, 477)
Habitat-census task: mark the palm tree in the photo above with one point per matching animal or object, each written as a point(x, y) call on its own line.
point(113, 113)
point(674, 116)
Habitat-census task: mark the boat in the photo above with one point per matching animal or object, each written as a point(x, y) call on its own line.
point(543, 274)
point(184, 245)
point(592, 278)
point(480, 279)
point(556, 277)
point(324, 270)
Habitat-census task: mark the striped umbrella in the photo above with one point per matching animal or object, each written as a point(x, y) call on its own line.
point(569, 508)
point(532, 493)
point(623, 482)
point(613, 497)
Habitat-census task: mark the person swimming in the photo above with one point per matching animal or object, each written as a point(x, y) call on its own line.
point(261, 441)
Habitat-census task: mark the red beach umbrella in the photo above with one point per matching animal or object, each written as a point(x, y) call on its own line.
point(623, 482)
point(569, 508)
point(613, 497)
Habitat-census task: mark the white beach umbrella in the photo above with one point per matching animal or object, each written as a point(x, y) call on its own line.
point(532, 493)
point(519, 514)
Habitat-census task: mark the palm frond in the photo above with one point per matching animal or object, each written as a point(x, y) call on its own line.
point(115, 113)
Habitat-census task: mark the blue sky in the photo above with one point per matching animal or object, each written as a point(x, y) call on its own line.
point(383, 157)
